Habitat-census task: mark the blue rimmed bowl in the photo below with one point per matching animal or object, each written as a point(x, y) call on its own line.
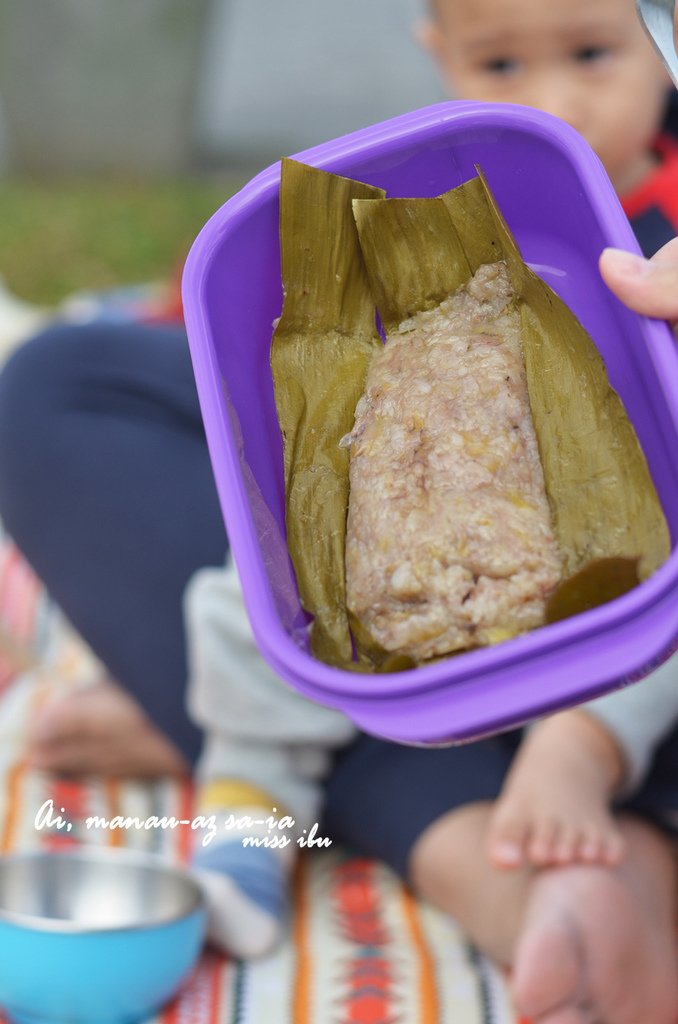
point(94, 936)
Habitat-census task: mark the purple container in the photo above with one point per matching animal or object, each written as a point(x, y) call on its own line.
point(563, 211)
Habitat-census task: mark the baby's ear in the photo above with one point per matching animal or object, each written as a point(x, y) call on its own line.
point(428, 35)
point(432, 40)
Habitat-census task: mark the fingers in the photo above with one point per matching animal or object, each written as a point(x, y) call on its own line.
point(667, 252)
point(646, 286)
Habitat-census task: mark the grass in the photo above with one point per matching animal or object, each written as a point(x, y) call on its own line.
point(65, 236)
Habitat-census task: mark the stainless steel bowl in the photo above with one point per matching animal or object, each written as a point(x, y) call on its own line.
point(89, 889)
point(94, 936)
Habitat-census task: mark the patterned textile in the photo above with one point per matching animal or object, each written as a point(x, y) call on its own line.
point(361, 949)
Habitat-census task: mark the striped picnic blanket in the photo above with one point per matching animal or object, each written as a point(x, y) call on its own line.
point(360, 949)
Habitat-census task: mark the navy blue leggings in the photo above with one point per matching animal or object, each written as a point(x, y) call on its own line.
point(107, 489)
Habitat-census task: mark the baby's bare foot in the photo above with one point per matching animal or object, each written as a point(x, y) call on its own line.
point(100, 730)
point(554, 808)
point(598, 944)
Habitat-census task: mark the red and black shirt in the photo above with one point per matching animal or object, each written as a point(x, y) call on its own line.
point(652, 207)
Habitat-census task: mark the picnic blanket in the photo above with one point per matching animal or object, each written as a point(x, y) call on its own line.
point(360, 948)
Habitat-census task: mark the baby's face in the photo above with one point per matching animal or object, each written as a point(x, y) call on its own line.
point(587, 61)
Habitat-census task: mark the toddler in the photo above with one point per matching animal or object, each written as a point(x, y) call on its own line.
point(267, 748)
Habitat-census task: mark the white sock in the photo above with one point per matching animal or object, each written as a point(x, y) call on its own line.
point(246, 883)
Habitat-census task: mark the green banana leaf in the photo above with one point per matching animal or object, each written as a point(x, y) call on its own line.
point(321, 348)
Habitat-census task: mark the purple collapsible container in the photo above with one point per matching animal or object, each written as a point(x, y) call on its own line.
point(563, 211)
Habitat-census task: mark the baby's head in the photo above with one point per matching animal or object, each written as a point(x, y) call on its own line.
point(588, 61)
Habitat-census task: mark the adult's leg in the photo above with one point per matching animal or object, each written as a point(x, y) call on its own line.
point(106, 486)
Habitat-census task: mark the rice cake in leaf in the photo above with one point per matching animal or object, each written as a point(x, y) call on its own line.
point(465, 555)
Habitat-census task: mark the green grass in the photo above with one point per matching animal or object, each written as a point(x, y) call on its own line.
point(60, 237)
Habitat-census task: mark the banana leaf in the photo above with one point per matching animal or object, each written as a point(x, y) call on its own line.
point(321, 348)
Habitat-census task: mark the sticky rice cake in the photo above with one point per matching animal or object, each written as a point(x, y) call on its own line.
point(449, 541)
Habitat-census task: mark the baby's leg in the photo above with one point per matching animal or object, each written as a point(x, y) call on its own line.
point(261, 738)
point(446, 869)
point(555, 804)
point(440, 801)
point(243, 857)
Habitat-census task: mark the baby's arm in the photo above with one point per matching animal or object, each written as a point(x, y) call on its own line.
point(639, 717)
point(555, 806)
point(267, 750)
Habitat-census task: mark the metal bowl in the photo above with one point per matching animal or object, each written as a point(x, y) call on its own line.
point(94, 936)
